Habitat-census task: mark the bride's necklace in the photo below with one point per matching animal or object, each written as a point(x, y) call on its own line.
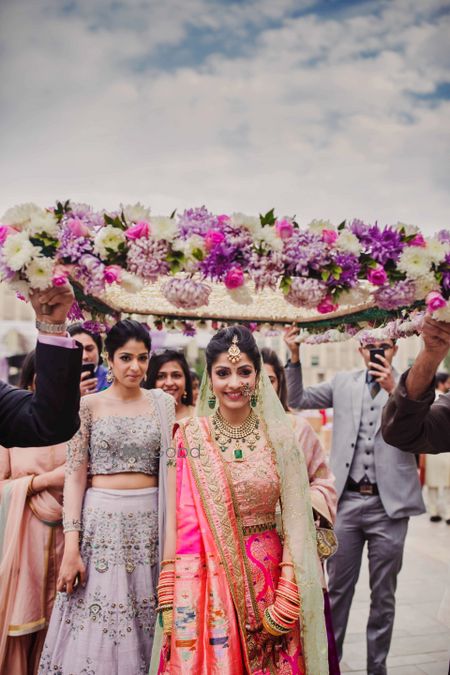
point(243, 437)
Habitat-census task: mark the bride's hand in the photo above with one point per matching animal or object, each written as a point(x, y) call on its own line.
point(72, 568)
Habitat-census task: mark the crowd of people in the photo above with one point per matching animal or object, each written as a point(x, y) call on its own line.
point(155, 522)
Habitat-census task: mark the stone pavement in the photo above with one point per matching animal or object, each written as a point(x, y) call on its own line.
point(421, 643)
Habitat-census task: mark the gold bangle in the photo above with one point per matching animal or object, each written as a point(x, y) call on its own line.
point(286, 564)
point(167, 562)
point(30, 491)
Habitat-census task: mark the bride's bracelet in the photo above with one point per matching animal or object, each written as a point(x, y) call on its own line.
point(73, 525)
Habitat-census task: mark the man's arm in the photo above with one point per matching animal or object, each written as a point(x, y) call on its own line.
point(50, 415)
point(411, 420)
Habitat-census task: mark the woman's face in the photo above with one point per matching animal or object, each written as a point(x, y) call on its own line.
point(229, 379)
point(171, 379)
point(90, 351)
point(195, 389)
point(129, 364)
point(271, 374)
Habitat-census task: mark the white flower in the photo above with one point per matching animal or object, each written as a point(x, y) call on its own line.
point(109, 237)
point(269, 236)
point(442, 314)
point(349, 242)
point(425, 284)
point(409, 229)
point(131, 283)
point(241, 295)
point(18, 250)
point(354, 296)
point(252, 223)
point(163, 228)
point(188, 246)
point(20, 286)
point(437, 250)
point(414, 261)
point(20, 215)
point(43, 223)
point(317, 226)
point(40, 273)
point(135, 212)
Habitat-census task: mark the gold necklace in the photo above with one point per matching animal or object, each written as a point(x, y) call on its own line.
point(244, 436)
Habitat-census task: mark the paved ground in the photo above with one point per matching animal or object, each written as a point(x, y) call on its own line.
point(421, 643)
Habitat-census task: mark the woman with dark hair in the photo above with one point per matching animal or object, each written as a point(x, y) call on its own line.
point(233, 598)
point(170, 372)
point(31, 544)
point(93, 372)
point(104, 615)
point(195, 379)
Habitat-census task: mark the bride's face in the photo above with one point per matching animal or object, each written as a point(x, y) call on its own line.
point(229, 381)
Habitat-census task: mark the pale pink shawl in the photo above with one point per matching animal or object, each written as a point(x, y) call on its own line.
point(23, 526)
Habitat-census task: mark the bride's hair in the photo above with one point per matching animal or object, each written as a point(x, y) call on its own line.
point(221, 342)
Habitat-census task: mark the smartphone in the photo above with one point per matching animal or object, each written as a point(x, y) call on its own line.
point(375, 353)
point(88, 368)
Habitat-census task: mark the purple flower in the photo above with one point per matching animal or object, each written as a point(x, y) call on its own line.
point(197, 221)
point(350, 267)
point(189, 329)
point(359, 228)
point(72, 246)
point(305, 251)
point(6, 273)
point(400, 294)
point(266, 270)
point(381, 245)
point(186, 293)
point(444, 236)
point(75, 313)
point(148, 258)
point(234, 250)
point(94, 326)
point(90, 271)
point(306, 292)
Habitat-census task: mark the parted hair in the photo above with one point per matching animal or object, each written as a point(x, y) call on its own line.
point(125, 330)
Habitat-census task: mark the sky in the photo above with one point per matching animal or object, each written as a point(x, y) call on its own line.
point(320, 108)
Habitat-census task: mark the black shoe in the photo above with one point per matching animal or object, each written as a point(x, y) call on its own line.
point(436, 519)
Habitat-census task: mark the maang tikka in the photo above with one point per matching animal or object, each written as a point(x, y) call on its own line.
point(234, 353)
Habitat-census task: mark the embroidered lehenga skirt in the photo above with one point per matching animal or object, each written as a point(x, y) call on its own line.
point(106, 627)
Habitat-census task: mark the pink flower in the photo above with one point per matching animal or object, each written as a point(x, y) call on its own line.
point(377, 276)
point(329, 236)
point(59, 280)
point(418, 241)
point(223, 219)
point(112, 273)
point(284, 229)
point(20, 296)
point(5, 231)
point(234, 277)
point(212, 238)
point(435, 301)
point(77, 227)
point(138, 231)
point(327, 305)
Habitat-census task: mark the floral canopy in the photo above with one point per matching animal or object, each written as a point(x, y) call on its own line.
point(331, 280)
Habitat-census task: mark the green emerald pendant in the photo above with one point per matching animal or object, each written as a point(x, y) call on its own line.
point(238, 454)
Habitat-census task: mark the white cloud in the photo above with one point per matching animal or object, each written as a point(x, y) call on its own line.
point(315, 115)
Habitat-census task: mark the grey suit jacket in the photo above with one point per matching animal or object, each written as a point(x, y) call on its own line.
point(397, 477)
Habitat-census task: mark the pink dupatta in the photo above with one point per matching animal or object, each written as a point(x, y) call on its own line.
point(16, 548)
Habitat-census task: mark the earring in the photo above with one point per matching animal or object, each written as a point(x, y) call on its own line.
point(212, 401)
point(110, 376)
point(253, 400)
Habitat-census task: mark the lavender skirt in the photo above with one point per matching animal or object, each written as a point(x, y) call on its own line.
point(106, 628)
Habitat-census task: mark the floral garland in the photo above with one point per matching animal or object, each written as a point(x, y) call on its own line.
point(320, 267)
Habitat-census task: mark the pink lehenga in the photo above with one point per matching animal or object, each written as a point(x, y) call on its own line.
point(227, 567)
point(31, 548)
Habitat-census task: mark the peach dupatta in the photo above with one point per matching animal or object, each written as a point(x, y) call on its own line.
point(23, 524)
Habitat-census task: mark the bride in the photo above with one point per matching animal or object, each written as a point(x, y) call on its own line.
point(234, 596)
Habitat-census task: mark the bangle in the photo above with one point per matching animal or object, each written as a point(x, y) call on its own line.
point(168, 562)
point(53, 328)
point(286, 564)
point(30, 491)
point(71, 525)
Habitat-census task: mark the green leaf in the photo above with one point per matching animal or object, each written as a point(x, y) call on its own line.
point(341, 226)
point(198, 254)
point(172, 215)
point(268, 218)
point(325, 275)
point(285, 284)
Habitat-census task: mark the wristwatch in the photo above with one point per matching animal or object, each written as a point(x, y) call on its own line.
point(53, 328)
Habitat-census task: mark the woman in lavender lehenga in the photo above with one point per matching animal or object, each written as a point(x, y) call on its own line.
point(104, 615)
